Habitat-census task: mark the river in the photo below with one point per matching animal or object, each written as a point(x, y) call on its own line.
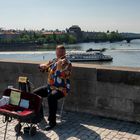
point(123, 54)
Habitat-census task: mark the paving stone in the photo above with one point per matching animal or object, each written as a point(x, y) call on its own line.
point(78, 126)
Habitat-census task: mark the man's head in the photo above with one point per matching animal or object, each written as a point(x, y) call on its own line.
point(60, 51)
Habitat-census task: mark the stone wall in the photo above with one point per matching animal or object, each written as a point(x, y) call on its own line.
point(100, 90)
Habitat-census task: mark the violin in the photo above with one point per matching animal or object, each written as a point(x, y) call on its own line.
point(44, 67)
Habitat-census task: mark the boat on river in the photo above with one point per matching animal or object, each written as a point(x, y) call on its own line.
point(83, 56)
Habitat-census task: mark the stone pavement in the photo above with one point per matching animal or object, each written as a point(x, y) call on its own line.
point(79, 126)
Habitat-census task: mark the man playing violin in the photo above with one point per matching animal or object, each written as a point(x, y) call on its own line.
point(58, 84)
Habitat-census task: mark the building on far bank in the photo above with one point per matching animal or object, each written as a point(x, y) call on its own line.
point(76, 31)
point(52, 33)
point(9, 35)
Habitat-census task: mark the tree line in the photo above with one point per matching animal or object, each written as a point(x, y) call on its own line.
point(40, 39)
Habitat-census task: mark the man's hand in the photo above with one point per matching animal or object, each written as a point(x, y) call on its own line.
point(53, 92)
point(44, 67)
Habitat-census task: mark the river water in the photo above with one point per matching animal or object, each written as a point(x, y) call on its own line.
point(123, 54)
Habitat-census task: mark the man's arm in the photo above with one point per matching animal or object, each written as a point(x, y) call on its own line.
point(45, 67)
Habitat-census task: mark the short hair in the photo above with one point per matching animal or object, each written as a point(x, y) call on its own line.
point(60, 47)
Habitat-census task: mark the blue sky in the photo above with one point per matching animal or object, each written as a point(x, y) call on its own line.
point(91, 15)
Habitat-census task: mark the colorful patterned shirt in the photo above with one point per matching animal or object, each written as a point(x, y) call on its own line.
point(59, 79)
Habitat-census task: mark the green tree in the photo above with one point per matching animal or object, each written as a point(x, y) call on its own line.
point(72, 39)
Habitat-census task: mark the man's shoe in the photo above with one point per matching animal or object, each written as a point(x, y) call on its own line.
point(50, 127)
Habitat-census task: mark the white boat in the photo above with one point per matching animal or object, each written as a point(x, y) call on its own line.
point(88, 56)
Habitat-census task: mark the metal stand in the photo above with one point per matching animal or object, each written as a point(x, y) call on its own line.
point(62, 107)
point(6, 129)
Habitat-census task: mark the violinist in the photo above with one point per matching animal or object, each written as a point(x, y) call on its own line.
point(58, 83)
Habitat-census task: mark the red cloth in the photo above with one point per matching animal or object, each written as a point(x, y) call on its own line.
point(15, 110)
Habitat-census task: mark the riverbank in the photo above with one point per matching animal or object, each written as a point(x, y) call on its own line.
point(40, 47)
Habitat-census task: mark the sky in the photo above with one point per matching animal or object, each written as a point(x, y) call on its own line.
point(90, 15)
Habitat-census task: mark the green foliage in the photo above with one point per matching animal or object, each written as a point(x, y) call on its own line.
point(72, 39)
point(39, 38)
point(114, 36)
point(100, 37)
point(103, 37)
